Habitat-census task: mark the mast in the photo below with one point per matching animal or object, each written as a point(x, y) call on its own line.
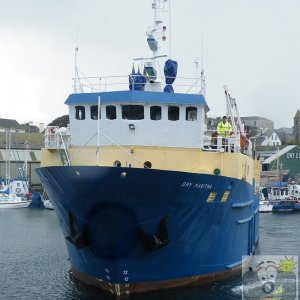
point(76, 73)
point(7, 154)
point(202, 77)
point(157, 32)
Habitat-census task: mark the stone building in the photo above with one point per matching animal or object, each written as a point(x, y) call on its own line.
point(264, 124)
point(296, 127)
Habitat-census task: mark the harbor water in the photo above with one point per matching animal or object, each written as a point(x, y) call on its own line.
point(34, 261)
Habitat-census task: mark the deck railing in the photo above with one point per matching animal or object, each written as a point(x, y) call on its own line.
point(116, 83)
point(235, 142)
point(57, 138)
point(60, 138)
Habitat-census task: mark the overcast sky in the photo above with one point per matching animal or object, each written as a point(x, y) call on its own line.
point(251, 46)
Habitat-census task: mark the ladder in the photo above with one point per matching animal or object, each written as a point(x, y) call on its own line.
point(64, 157)
point(63, 152)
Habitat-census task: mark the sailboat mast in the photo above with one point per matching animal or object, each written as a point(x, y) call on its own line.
point(7, 154)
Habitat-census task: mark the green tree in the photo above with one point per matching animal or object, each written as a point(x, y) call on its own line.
point(62, 121)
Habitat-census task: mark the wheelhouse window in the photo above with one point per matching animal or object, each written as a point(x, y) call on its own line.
point(155, 113)
point(94, 112)
point(191, 113)
point(80, 112)
point(111, 112)
point(133, 112)
point(173, 113)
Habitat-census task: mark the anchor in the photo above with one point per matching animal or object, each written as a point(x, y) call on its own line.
point(159, 239)
point(77, 237)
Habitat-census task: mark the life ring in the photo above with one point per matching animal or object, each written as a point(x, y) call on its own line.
point(18, 190)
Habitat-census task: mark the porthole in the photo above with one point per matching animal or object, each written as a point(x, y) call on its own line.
point(117, 164)
point(147, 165)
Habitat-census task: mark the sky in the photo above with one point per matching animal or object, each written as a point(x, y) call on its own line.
point(253, 47)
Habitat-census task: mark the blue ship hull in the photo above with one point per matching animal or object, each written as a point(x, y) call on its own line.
point(127, 227)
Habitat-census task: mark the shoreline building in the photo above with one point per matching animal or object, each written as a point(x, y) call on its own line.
point(296, 127)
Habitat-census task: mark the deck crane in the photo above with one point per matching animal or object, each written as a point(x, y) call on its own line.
point(233, 113)
point(237, 125)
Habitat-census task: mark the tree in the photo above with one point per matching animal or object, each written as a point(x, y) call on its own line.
point(62, 121)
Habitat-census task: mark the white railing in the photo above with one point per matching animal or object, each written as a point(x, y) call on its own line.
point(236, 143)
point(116, 83)
point(57, 138)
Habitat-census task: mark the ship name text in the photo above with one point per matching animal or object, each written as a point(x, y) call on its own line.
point(193, 185)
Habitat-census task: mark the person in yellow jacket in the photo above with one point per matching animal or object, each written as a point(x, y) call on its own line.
point(224, 129)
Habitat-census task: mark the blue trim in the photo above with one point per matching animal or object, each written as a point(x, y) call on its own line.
point(242, 204)
point(136, 97)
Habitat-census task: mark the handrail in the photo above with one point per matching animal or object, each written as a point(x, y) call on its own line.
point(236, 143)
point(113, 83)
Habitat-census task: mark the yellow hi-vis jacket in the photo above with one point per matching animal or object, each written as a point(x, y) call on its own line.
point(224, 129)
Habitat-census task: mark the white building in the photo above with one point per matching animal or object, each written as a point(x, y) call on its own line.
point(271, 140)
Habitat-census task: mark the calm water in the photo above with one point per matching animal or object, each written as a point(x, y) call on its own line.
point(34, 262)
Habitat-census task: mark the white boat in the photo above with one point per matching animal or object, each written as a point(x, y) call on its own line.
point(265, 206)
point(12, 201)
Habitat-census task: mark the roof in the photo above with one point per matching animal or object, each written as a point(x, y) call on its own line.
point(259, 140)
point(137, 97)
point(9, 123)
point(255, 118)
point(297, 115)
point(279, 153)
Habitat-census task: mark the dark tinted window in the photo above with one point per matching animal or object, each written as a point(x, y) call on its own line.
point(155, 113)
point(133, 112)
point(111, 112)
point(94, 112)
point(80, 112)
point(173, 113)
point(191, 113)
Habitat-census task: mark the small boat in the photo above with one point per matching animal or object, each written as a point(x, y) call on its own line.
point(276, 193)
point(285, 205)
point(265, 206)
point(8, 200)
